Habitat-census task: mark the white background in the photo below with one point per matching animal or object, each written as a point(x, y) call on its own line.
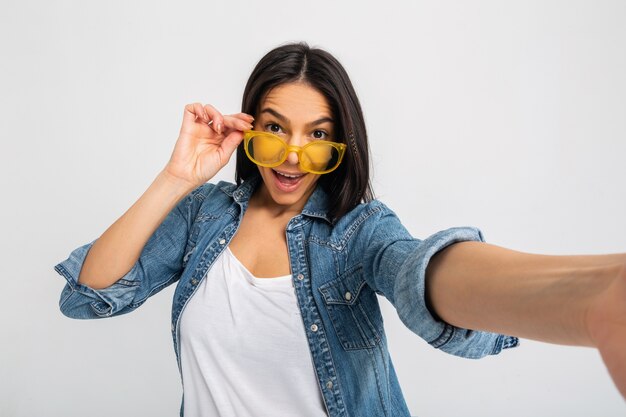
point(508, 116)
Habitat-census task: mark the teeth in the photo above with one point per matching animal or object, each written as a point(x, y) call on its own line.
point(289, 176)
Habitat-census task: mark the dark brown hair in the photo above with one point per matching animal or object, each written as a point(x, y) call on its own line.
point(349, 184)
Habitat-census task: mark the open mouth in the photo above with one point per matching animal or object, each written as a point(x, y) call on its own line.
point(287, 181)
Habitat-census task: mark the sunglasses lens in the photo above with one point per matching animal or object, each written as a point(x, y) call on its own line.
point(266, 150)
point(319, 157)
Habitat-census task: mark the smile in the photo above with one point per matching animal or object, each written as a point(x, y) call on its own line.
point(286, 175)
point(287, 182)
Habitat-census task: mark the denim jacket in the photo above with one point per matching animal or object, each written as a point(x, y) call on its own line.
point(338, 270)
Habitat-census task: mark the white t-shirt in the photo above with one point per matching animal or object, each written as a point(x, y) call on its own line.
point(244, 351)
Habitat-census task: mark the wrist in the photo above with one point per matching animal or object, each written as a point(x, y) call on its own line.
point(605, 311)
point(177, 184)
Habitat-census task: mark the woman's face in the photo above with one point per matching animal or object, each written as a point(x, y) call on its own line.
point(299, 114)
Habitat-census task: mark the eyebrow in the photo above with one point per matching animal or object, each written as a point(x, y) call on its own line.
point(286, 120)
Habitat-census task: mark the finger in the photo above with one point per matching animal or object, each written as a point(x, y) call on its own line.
point(199, 112)
point(192, 112)
point(230, 143)
point(217, 117)
point(244, 116)
point(236, 123)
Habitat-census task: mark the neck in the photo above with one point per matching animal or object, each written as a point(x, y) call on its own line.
point(261, 199)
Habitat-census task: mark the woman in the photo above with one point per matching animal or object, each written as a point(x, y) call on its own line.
point(275, 310)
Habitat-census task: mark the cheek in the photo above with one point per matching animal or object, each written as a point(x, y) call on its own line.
point(266, 173)
point(313, 179)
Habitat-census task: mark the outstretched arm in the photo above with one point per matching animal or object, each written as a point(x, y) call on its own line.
point(573, 300)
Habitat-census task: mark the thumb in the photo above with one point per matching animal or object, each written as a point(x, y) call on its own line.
point(230, 142)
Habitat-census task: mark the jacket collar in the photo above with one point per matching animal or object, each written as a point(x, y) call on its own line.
point(316, 206)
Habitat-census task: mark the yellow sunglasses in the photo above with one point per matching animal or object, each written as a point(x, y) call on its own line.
point(268, 150)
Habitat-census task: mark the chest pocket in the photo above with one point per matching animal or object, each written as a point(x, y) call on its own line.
point(354, 311)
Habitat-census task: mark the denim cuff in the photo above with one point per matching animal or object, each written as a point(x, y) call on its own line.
point(439, 334)
point(83, 302)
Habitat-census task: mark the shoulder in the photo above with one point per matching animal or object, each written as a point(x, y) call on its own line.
point(210, 198)
point(365, 214)
point(367, 221)
point(208, 188)
point(223, 190)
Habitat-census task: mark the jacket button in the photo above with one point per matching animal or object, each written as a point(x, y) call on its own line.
point(300, 277)
point(222, 241)
point(329, 384)
point(314, 327)
point(194, 281)
point(348, 296)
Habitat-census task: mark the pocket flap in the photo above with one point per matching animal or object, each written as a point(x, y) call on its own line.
point(345, 289)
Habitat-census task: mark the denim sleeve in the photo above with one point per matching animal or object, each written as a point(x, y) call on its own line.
point(396, 264)
point(159, 265)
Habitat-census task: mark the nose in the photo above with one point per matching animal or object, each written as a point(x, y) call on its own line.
point(292, 158)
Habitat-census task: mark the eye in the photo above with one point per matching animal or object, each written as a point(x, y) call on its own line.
point(320, 134)
point(273, 127)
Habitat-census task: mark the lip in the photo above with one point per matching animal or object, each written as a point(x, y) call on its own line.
point(290, 174)
point(287, 188)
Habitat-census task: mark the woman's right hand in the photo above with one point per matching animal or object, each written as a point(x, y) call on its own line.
point(206, 142)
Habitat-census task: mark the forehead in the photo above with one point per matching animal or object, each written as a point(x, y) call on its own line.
point(297, 101)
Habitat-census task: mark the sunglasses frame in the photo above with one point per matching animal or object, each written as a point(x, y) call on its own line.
point(249, 134)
